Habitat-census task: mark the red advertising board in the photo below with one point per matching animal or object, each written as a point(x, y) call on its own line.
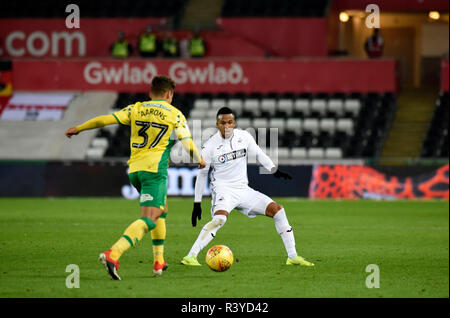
point(209, 75)
point(287, 37)
point(44, 38)
point(52, 38)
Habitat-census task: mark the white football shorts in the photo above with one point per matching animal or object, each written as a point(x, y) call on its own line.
point(245, 200)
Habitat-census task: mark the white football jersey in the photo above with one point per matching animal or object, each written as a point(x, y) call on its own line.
point(228, 160)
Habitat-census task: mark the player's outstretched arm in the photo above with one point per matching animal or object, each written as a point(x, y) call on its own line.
point(96, 122)
point(192, 150)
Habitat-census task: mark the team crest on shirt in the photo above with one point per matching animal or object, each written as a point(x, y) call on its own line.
point(222, 159)
point(232, 155)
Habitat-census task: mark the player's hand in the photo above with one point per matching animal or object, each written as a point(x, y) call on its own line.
point(202, 164)
point(280, 174)
point(71, 132)
point(196, 213)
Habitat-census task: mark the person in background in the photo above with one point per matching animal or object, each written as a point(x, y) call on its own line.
point(184, 48)
point(197, 46)
point(121, 48)
point(374, 45)
point(148, 43)
point(170, 46)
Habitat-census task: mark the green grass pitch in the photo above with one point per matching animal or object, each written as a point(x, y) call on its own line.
point(407, 240)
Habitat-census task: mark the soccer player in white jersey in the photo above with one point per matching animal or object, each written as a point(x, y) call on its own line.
point(226, 153)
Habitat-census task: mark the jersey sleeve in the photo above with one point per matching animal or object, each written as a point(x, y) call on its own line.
point(202, 174)
point(181, 128)
point(123, 116)
point(184, 135)
point(262, 158)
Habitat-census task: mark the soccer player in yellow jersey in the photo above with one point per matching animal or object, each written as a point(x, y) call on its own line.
point(152, 123)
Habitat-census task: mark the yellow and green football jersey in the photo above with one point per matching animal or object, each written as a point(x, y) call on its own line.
point(152, 124)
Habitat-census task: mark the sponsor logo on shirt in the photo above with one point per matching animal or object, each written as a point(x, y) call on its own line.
point(232, 155)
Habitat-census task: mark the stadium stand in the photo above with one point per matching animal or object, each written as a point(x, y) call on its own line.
point(94, 9)
point(321, 126)
point(44, 140)
point(436, 141)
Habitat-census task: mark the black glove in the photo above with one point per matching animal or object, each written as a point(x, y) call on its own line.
point(280, 174)
point(196, 213)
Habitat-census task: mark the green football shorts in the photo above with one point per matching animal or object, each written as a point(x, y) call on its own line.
point(151, 186)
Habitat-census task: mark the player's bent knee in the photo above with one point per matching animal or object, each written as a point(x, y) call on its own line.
point(221, 212)
point(216, 223)
point(219, 220)
point(273, 209)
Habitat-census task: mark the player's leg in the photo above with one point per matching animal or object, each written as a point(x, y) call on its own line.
point(158, 240)
point(152, 206)
point(277, 212)
point(221, 205)
point(206, 235)
point(255, 203)
point(150, 212)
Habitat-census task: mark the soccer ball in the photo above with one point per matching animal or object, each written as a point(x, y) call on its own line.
point(219, 258)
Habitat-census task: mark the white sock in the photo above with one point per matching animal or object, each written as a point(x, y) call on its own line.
point(286, 232)
point(207, 234)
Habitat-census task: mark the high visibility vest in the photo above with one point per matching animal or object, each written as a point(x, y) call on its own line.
point(170, 45)
point(147, 43)
point(120, 49)
point(197, 48)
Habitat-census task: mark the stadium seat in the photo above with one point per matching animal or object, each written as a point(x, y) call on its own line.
point(311, 125)
point(283, 153)
point(315, 153)
point(284, 108)
point(211, 113)
point(345, 125)
point(333, 153)
point(294, 124)
point(278, 123)
point(203, 104)
point(335, 107)
point(99, 143)
point(302, 108)
point(352, 106)
point(95, 153)
point(328, 125)
point(243, 123)
point(236, 105)
point(197, 113)
point(217, 103)
point(251, 107)
point(260, 123)
point(319, 106)
point(268, 107)
point(209, 122)
point(298, 153)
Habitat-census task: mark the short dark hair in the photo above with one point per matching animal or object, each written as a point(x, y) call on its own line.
point(224, 111)
point(161, 84)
